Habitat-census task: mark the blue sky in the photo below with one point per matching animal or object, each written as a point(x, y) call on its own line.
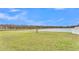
point(40, 16)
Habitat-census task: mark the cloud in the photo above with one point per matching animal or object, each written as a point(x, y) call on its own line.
point(4, 16)
point(59, 8)
point(34, 22)
point(56, 20)
point(21, 18)
point(60, 20)
point(14, 10)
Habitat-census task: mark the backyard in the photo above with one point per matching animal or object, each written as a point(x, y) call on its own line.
point(41, 41)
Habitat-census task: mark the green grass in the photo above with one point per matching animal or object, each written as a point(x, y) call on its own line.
point(42, 41)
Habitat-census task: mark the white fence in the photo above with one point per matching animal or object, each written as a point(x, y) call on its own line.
point(57, 29)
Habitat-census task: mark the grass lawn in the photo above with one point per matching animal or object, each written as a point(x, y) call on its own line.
point(42, 41)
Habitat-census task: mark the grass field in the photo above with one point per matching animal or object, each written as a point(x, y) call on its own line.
point(42, 41)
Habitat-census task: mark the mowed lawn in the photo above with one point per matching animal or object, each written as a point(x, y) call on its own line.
point(42, 41)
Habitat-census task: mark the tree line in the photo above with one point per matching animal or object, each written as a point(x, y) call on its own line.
point(16, 27)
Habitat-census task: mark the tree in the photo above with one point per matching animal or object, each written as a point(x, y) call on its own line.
point(37, 29)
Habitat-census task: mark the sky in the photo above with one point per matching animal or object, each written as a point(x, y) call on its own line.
point(40, 16)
